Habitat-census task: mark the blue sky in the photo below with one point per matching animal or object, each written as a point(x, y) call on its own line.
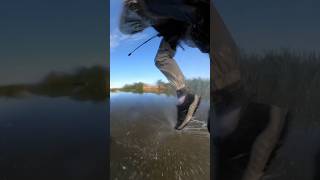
point(258, 26)
point(38, 37)
point(140, 66)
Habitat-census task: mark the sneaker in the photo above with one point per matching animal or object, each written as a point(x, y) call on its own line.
point(186, 110)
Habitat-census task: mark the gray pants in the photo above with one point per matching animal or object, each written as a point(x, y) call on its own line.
point(168, 66)
point(223, 54)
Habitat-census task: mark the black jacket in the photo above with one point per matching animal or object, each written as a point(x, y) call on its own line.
point(196, 28)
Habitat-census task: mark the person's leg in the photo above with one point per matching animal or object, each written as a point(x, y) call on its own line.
point(168, 66)
point(239, 126)
point(227, 93)
point(226, 90)
point(224, 54)
point(265, 143)
point(188, 102)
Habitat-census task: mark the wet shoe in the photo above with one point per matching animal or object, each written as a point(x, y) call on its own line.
point(186, 110)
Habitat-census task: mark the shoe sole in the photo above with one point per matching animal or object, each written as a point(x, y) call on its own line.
point(191, 111)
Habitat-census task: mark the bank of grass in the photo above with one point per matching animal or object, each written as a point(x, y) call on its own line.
point(200, 86)
point(197, 85)
point(285, 78)
point(135, 87)
point(12, 90)
point(85, 83)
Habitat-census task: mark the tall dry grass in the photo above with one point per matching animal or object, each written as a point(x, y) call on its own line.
point(285, 78)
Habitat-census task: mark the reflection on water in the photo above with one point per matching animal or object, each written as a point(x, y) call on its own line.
point(52, 138)
point(81, 84)
point(144, 144)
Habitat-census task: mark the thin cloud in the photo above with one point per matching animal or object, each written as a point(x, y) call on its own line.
point(117, 38)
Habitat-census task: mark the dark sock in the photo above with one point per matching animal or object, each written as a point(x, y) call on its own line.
point(182, 92)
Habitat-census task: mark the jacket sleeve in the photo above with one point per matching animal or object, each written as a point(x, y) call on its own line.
point(131, 21)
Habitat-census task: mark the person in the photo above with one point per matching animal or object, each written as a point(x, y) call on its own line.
point(245, 133)
point(241, 128)
point(175, 21)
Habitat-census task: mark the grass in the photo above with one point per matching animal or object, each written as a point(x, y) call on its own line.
point(285, 78)
point(197, 85)
point(82, 84)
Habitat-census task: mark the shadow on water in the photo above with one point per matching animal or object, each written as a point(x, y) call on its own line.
point(144, 144)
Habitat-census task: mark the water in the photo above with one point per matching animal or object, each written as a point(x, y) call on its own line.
point(52, 138)
point(63, 138)
point(144, 144)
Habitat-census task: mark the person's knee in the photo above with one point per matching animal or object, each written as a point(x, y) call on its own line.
point(161, 59)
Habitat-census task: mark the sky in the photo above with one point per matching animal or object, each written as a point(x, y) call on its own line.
point(40, 36)
point(140, 67)
point(258, 26)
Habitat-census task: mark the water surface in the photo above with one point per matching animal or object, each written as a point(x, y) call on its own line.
point(144, 144)
point(52, 138)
